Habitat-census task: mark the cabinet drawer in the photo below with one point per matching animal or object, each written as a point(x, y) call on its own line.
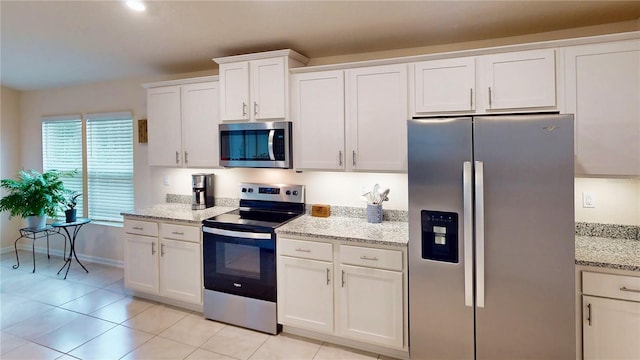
point(306, 249)
point(611, 286)
point(138, 227)
point(375, 258)
point(180, 232)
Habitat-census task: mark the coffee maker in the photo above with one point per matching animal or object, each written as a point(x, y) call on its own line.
point(202, 185)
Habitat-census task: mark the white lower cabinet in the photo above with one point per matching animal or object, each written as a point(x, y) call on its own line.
point(305, 293)
point(610, 316)
point(163, 259)
point(360, 289)
point(371, 305)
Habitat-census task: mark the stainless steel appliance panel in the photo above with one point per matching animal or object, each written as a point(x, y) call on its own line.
point(242, 311)
point(440, 326)
point(528, 283)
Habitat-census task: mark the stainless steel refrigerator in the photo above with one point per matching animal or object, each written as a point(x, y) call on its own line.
point(491, 237)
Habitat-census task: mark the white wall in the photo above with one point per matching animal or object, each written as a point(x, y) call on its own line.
point(10, 140)
point(617, 201)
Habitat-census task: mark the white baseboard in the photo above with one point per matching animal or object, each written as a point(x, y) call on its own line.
point(87, 258)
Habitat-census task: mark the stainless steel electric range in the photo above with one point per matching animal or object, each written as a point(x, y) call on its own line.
point(239, 256)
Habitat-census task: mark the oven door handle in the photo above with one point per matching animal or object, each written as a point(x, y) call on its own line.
point(238, 234)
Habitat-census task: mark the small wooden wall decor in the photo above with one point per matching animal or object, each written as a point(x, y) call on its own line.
point(142, 131)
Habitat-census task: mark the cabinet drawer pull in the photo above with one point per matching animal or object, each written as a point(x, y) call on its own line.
point(471, 98)
point(255, 108)
point(161, 249)
point(328, 277)
point(340, 158)
point(624, 288)
point(589, 314)
point(303, 250)
point(153, 248)
point(139, 228)
point(342, 278)
point(353, 155)
point(364, 257)
point(244, 109)
point(186, 157)
point(177, 157)
point(177, 233)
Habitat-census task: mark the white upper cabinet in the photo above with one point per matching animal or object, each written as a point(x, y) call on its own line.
point(507, 82)
point(602, 88)
point(200, 119)
point(255, 87)
point(377, 113)
point(318, 114)
point(183, 124)
point(164, 126)
point(523, 79)
point(444, 85)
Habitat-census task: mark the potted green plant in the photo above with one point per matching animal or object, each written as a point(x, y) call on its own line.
point(71, 202)
point(34, 195)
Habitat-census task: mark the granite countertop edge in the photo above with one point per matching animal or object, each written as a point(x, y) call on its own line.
point(592, 251)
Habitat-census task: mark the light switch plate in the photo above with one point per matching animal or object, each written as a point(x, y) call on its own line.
point(588, 200)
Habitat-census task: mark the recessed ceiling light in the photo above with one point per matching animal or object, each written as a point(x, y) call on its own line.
point(136, 5)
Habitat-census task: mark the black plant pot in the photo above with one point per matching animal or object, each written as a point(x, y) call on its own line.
point(70, 215)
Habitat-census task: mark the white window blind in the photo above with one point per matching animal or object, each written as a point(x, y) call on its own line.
point(109, 165)
point(62, 150)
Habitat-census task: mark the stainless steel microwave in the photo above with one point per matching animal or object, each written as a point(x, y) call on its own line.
point(256, 145)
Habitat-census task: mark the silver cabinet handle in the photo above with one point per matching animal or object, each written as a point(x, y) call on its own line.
point(328, 277)
point(303, 250)
point(177, 233)
point(354, 157)
point(479, 215)
point(255, 108)
point(244, 109)
point(153, 248)
point(161, 249)
point(340, 158)
point(364, 257)
point(186, 157)
point(342, 278)
point(468, 232)
point(489, 96)
point(137, 228)
point(589, 314)
point(177, 157)
point(471, 98)
point(624, 288)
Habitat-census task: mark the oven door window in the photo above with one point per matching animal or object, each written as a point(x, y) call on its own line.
point(238, 260)
point(240, 266)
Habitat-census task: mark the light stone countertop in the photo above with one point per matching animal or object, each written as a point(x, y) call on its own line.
point(176, 212)
point(392, 233)
point(609, 253)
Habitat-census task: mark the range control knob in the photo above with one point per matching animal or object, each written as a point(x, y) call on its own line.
point(288, 192)
point(244, 189)
point(250, 190)
point(295, 193)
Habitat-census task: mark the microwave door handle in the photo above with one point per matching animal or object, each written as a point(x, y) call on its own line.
point(272, 156)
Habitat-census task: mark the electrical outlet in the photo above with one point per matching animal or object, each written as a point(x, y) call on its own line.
point(588, 200)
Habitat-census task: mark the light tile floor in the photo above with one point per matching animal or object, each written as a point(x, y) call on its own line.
point(92, 316)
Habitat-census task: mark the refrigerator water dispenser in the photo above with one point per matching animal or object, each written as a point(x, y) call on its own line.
point(439, 236)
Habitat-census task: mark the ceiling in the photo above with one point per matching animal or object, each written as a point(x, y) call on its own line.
point(47, 44)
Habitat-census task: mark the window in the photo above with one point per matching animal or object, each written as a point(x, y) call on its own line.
point(103, 157)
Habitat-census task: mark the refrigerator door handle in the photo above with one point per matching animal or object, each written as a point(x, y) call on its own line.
point(479, 216)
point(467, 192)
